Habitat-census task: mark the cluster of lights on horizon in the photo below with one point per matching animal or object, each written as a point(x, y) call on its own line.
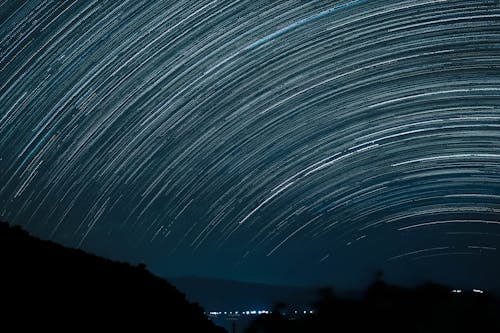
point(300, 312)
point(256, 313)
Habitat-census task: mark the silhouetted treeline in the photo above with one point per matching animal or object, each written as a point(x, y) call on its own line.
point(387, 308)
point(45, 285)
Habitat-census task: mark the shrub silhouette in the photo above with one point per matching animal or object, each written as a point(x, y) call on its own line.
point(387, 308)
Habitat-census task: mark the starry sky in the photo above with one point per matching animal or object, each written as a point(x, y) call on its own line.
point(290, 142)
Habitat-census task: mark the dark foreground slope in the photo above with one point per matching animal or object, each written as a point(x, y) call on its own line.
point(44, 284)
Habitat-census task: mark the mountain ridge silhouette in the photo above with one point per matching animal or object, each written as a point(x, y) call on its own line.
point(54, 286)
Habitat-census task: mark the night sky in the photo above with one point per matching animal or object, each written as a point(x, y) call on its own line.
point(289, 142)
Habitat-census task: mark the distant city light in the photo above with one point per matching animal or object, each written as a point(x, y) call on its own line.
point(254, 312)
point(479, 291)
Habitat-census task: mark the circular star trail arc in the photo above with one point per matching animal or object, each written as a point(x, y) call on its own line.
point(243, 130)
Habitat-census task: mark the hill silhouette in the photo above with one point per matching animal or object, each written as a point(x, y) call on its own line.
point(387, 308)
point(47, 285)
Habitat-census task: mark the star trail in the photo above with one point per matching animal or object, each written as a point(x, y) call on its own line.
point(280, 141)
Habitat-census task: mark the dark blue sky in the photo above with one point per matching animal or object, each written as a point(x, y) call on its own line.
point(291, 142)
